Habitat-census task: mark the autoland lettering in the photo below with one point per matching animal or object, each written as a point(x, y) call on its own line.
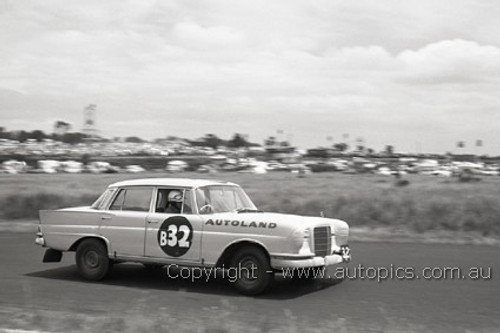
point(243, 224)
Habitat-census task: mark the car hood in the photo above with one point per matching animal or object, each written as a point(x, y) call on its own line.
point(275, 221)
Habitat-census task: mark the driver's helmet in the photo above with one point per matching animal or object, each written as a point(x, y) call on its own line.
point(175, 196)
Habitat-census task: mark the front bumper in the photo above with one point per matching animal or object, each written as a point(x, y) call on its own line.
point(337, 257)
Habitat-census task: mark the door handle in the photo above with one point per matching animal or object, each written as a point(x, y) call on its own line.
point(105, 217)
point(153, 221)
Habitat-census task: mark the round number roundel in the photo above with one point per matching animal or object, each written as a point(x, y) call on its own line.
point(175, 236)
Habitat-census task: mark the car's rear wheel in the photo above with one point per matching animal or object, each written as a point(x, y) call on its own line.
point(252, 272)
point(92, 260)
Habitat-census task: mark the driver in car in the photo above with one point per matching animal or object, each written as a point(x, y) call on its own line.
point(174, 202)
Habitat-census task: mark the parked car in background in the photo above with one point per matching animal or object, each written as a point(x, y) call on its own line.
point(176, 166)
point(133, 168)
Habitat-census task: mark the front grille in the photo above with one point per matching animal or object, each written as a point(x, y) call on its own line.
point(322, 241)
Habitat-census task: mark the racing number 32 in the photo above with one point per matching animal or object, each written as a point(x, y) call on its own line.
point(175, 235)
point(170, 237)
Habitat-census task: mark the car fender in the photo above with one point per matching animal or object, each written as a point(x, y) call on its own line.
point(232, 247)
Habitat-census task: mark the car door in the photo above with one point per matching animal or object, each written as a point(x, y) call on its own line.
point(124, 222)
point(175, 236)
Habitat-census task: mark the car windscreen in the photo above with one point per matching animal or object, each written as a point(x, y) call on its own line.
point(221, 199)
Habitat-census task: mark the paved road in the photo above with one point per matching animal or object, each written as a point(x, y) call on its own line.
point(52, 297)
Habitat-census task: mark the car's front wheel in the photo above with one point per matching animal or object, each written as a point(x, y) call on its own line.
point(92, 260)
point(252, 272)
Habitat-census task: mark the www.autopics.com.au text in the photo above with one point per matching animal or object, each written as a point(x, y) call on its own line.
point(358, 272)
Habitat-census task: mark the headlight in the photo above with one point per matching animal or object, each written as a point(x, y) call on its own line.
point(301, 240)
point(297, 238)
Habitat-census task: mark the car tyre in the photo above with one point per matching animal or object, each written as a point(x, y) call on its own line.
point(254, 272)
point(92, 260)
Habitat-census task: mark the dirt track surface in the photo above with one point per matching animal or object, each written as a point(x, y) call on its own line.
point(52, 297)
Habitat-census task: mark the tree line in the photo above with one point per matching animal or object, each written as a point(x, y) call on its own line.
point(39, 136)
point(208, 140)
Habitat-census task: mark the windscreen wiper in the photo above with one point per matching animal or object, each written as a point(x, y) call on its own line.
point(248, 210)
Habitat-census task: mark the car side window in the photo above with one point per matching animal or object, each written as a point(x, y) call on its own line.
point(132, 199)
point(173, 201)
point(118, 202)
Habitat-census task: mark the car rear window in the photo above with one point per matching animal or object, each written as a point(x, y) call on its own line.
point(101, 202)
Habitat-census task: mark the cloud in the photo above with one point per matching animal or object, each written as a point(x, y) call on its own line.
point(452, 61)
point(307, 67)
point(359, 58)
point(194, 35)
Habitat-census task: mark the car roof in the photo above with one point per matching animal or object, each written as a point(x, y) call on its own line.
point(177, 182)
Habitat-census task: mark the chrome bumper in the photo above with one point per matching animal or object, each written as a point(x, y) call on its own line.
point(343, 254)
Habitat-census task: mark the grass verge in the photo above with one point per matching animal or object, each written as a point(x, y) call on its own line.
point(427, 204)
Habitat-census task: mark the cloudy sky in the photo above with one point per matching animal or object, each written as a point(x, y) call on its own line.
point(420, 75)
